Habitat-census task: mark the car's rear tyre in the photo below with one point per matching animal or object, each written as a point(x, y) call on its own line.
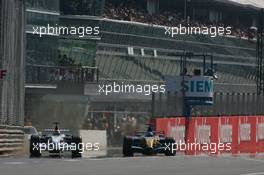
point(127, 147)
point(34, 149)
point(172, 147)
point(76, 153)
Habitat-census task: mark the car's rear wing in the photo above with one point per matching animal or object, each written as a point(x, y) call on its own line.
point(154, 132)
point(52, 130)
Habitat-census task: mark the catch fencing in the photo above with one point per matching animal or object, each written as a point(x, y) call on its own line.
point(225, 104)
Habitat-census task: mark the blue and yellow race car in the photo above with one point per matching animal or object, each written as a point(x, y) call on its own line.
point(149, 143)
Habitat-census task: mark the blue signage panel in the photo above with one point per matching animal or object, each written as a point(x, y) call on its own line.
point(197, 89)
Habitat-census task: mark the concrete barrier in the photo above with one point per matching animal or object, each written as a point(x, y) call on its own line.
point(26, 144)
point(244, 134)
point(93, 137)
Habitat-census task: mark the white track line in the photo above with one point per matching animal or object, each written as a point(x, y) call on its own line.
point(71, 160)
point(14, 163)
point(258, 173)
point(251, 159)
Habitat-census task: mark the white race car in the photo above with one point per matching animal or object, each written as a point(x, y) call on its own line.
point(55, 142)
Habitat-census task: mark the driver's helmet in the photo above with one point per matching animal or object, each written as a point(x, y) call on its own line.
point(150, 134)
point(56, 131)
point(149, 129)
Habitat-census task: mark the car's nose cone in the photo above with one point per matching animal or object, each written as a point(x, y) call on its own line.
point(149, 142)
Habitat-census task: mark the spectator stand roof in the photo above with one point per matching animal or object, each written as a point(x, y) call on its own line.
point(249, 3)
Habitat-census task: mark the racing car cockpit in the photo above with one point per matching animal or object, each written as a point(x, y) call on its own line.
point(149, 132)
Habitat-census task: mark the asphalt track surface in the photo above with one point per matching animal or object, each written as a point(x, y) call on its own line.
point(198, 165)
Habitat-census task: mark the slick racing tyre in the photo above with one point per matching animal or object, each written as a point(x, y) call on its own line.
point(34, 149)
point(76, 153)
point(171, 143)
point(127, 147)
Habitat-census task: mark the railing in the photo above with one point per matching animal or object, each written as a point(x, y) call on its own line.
point(11, 139)
point(42, 74)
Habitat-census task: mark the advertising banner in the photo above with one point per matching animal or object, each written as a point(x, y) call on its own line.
point(192, 86)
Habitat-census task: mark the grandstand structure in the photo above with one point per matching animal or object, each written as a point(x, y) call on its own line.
point(234, 58)
point(141, 53)
point(12, 57)
point(151, 58)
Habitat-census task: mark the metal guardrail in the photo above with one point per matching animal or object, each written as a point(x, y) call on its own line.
point(11, 139)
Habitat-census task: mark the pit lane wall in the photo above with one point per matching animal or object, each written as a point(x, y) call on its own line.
point(244, 134)
point(94, 137)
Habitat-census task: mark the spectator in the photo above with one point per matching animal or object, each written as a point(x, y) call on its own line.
point(130, 11)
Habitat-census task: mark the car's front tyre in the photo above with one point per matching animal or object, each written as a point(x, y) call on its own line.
point(76, 153)
point(170, 147)
point(34, 147)
point(127, 147)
